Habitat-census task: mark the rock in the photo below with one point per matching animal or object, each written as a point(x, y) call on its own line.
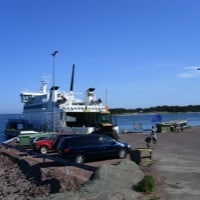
point(109, 182)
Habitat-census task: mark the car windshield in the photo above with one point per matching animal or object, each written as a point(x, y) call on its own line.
point(40, 138)
point(52, 137)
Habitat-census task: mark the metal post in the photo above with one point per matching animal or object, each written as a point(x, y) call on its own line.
point(66, 170)
point(54, 63)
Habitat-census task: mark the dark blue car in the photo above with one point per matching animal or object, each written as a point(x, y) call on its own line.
point(92, 146)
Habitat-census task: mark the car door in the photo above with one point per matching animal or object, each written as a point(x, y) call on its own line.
point(108, 146)
point(92, 146)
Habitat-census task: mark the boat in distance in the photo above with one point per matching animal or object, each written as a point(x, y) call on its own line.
point(59, 111)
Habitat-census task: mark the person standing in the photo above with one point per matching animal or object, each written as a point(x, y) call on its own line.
point(154, 135)
point(148, 141)
point(151, 137)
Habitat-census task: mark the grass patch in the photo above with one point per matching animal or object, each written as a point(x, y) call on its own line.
point(154, 198)
point(146, 185)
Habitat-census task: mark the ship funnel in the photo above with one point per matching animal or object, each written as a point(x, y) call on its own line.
point(54, 93)
point(72, 78)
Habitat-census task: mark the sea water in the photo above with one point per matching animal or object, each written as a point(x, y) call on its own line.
point(129, 123)
point(144, 122)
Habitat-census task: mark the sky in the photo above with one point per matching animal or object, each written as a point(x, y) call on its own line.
point(136, 53)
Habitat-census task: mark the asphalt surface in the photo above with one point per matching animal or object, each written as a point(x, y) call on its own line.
point(177, 159)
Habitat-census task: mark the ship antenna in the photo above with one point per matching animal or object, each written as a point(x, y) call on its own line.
point(72, 78)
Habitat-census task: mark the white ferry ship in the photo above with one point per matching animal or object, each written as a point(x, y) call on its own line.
point(63, 112)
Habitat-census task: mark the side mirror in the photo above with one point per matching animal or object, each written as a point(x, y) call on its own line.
point(113, 142)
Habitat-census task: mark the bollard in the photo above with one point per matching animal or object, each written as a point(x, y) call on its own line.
point(140, 155)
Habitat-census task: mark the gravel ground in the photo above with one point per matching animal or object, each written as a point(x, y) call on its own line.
point(22, 181)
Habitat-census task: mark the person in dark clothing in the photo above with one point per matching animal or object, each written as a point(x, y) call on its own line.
point(151, 137)
point(148, 141)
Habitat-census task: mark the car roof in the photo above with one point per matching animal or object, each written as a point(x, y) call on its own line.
point(86, 136)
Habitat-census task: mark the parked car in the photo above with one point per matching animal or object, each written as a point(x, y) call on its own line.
point(49, 143)
point(108, 133)
point(40, 138)
point(92, 146)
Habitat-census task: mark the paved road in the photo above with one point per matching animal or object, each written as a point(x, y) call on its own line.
point(178, 161)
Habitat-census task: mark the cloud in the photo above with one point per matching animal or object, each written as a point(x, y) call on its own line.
point(187, 75)
point(190, 72)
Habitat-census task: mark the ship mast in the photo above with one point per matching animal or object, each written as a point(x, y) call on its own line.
point(53, 103)
point(72, 79)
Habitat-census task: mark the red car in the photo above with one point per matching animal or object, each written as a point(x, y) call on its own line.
point(50, 143)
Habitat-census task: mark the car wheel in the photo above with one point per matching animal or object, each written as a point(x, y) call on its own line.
point(122, 153)
point(79, 159)
point(43, 150)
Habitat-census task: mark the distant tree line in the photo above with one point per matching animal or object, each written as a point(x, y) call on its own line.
point(189, 108)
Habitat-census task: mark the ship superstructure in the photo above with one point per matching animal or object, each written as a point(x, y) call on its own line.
point(63, 112)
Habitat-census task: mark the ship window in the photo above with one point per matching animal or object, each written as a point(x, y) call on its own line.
point(19, 126)
point(81, 119)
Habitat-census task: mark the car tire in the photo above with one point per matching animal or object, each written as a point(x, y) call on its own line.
point(43, 150)
point(79, 158)
point(122, 153)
